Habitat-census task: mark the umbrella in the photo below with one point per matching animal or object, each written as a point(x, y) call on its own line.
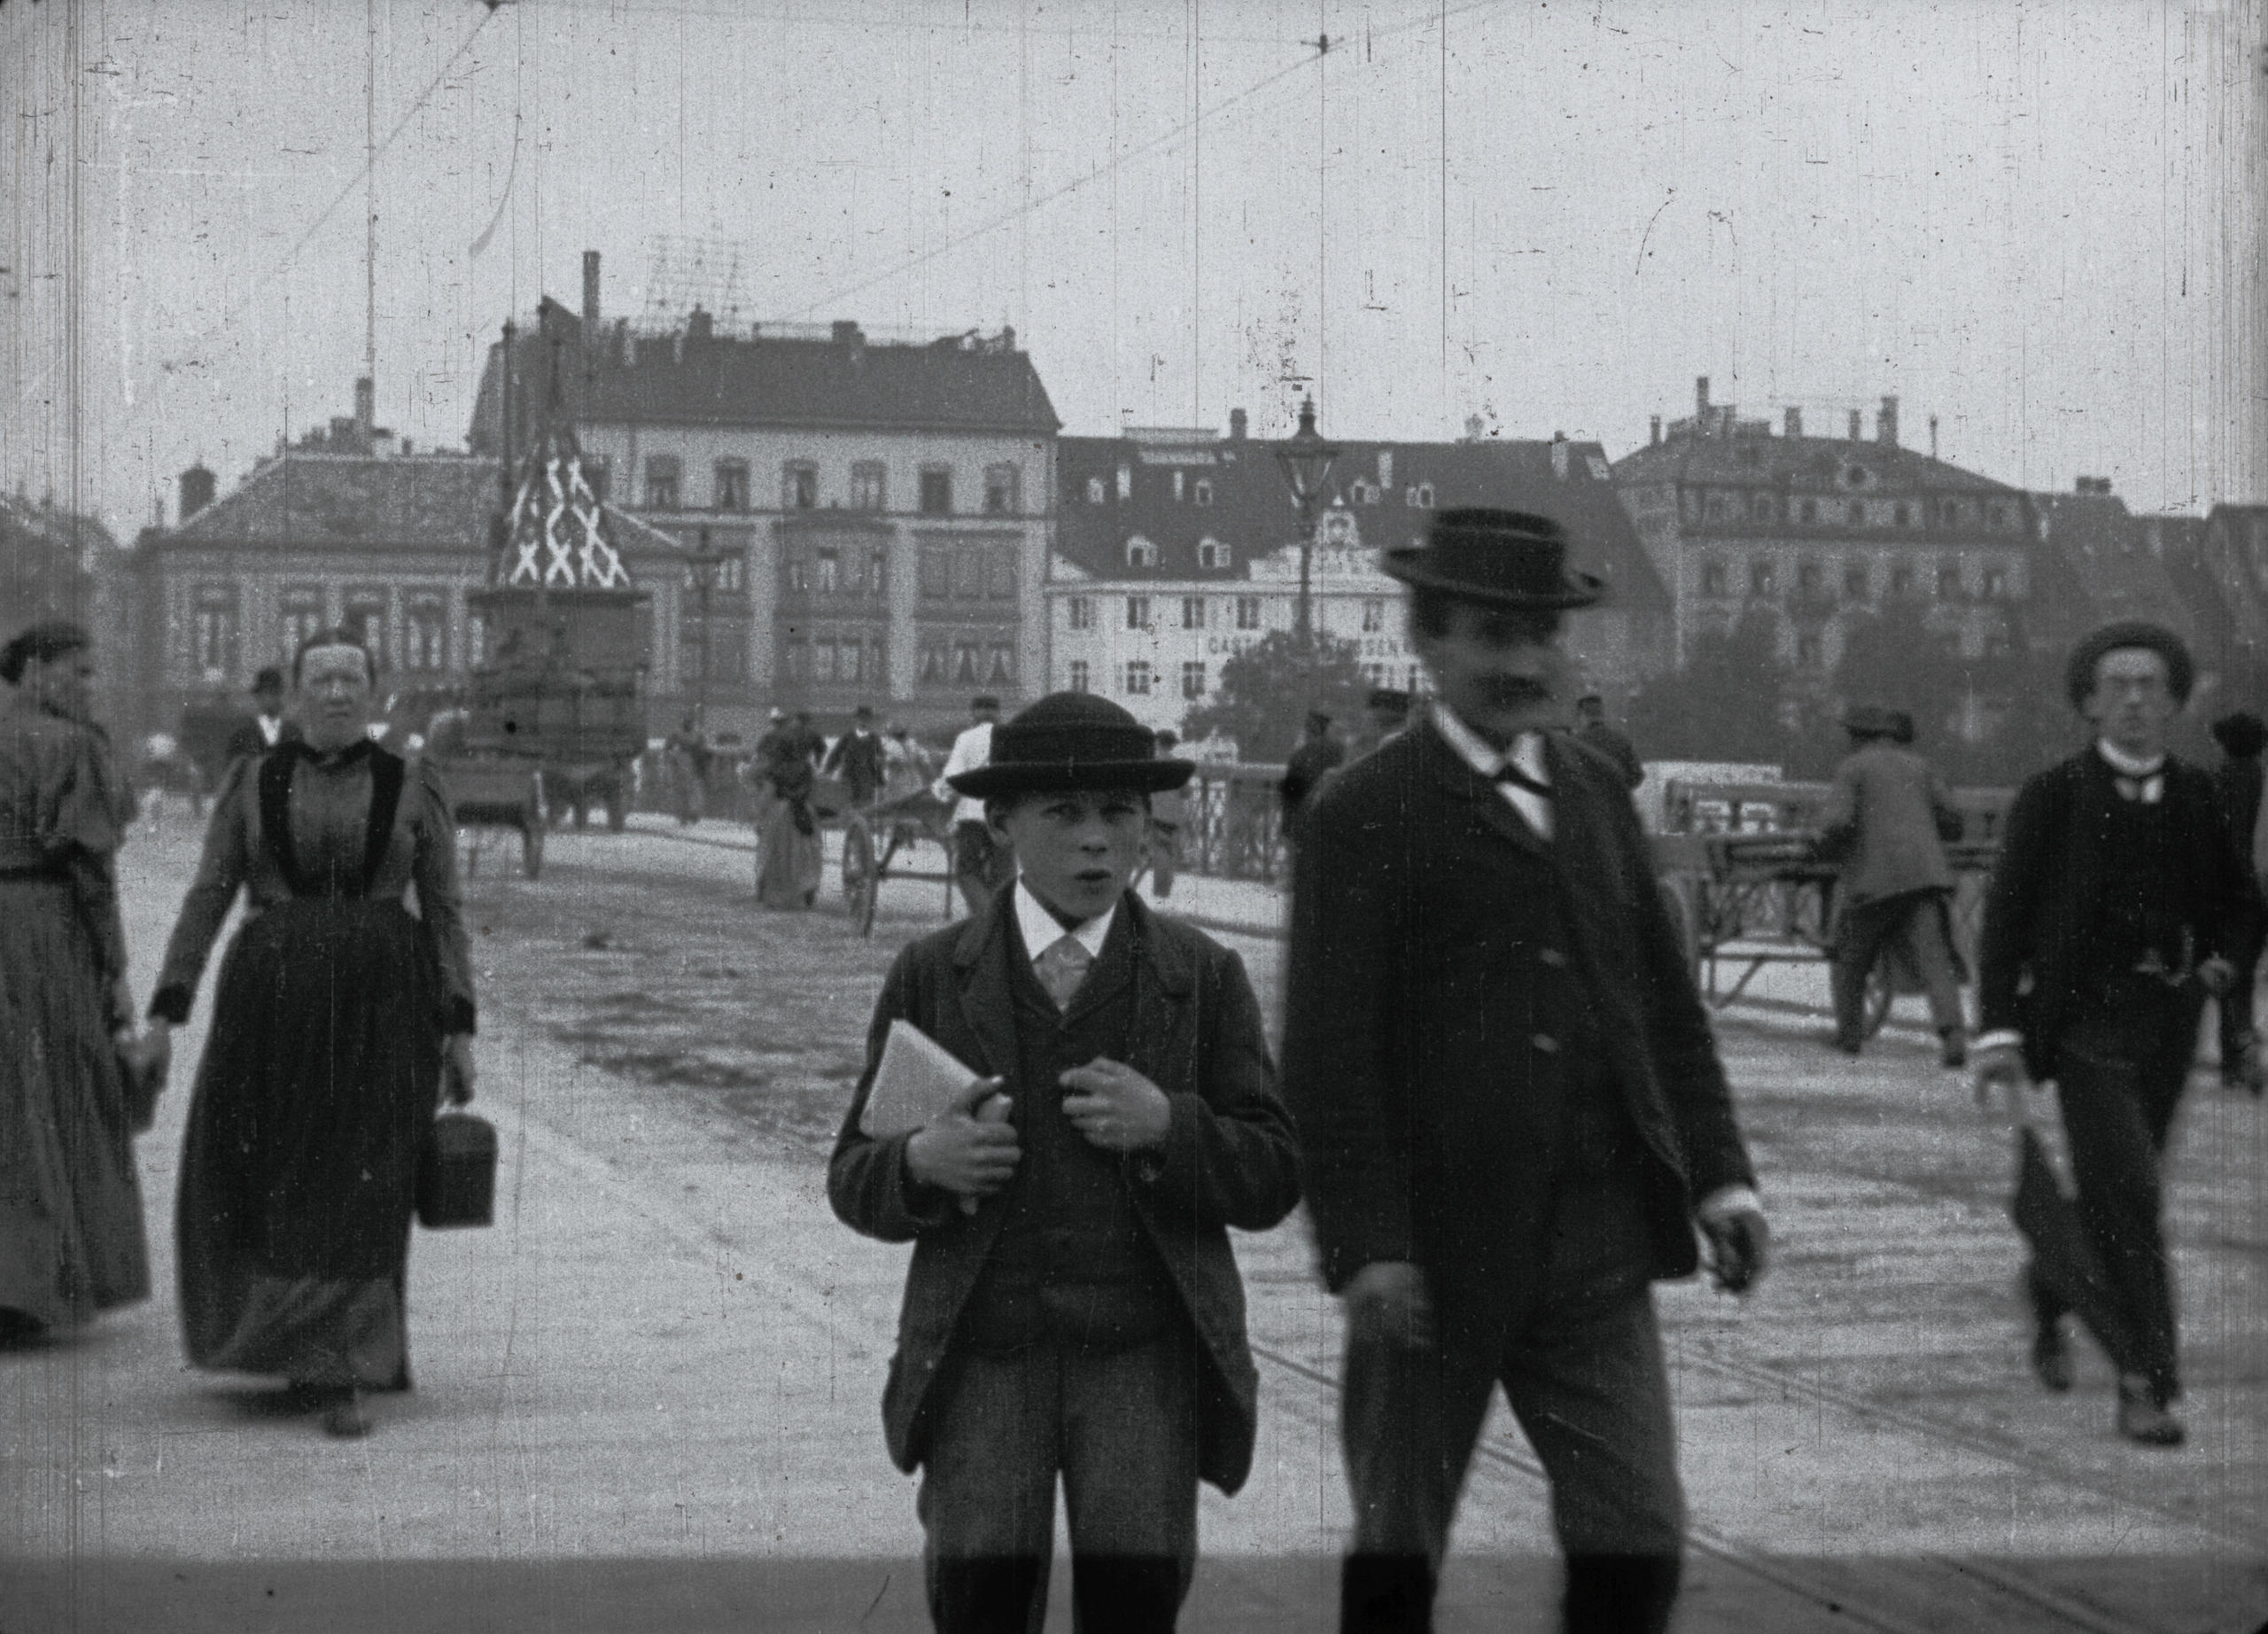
point(2063, 1257)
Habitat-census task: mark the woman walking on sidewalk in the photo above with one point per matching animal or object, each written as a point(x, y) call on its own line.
point(71, 1240)
point(337, 1012)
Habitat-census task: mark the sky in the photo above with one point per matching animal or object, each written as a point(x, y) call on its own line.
point(2025, 220)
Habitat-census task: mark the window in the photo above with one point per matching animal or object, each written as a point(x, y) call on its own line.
point(1001, 486)
point(966, 663)
point(1001, 669)
point(1996, 517)
point(869, 485)
point(1192, 612)
point(425, 632)
point(877, 571)
point(936, 658)
point(937, 572)
point(1081, 613)
point(598, 477)
point(476, 640)
point(1204, 491)
point(213, 633)
point(1902, 514)
point(1374, 616)
point(1715, 508)
point(1125, 482)
point(1762, 576)
point(1811, 511)
point(1079, 677)
point(299, 616)
point(1712, 578)
point(1211, 553)
point(1764, 508)
point(1138, 612)
point(1810, 651)
point(799, 486)
point(1948, 512)
point(968, 573)
point(1138, 678)
point(366, 616)
point(731, 488)
point(796, 659)
point(1996, 583)
point(1948, 582)
point(1902, 580)
point(1425, 497)
point(1140, 552)
point(661, 481)
point(828, 579)
point(1193, 679)
point(1247, 612)
point(1094, 497)
point(1180, 481)
point(1000, 572)
point(1855, 582)
point(1810, 577)
point(937, 491)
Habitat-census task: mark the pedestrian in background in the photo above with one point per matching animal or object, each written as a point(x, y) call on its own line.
point(1592, 731)
point(981, 865)
point(906, 765)
point(2116, 899)
point(1169, 810)
point(789, 865)
point(267, 726)
point(856, 758)
point(2238, 780)
point(687, 753)
point(1073, 1309)
point(1317, 755)
point(1889, 814)
point(1510, 1110)
point(71, 1229)
point(337, 1016)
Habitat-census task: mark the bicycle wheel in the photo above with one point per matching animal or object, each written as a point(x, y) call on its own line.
point(861, 878)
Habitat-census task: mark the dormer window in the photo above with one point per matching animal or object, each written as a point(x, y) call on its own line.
point(1211, 553)
point(1094, 490)
point(1141, 552)
point(1204, 491)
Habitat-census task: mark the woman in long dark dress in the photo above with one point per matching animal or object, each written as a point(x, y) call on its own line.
point(337, 1012)
point(71, 1235)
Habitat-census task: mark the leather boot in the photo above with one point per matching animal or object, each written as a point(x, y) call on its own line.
point(1620, 1593)
point(2143, 1414)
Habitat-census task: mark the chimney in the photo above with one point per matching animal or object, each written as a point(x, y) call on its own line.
point(1654, 431)
point(846, 332)
point(1794, 423)
point(698, 324)
point(196, 490)
point(590, 294)
point(1886, 422)
point(1933, 437)
point(366, 405)
point(1236, 426)
point(1560, 455)
point(1854, 426)
point(1701, 397)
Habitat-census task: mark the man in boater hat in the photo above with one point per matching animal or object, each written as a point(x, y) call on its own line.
point(1511, 1110)
point(1073, 1307)
point(2117, 900)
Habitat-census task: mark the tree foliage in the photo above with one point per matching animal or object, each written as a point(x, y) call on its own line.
point(1266, 691)
point(1725, 705)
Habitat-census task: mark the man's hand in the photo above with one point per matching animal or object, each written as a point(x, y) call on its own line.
point(971, 1151)
point(1999, 1067)
point(1740, 1245)
point(1387, 1300)
point(1115, 1107)
point(458, 1074)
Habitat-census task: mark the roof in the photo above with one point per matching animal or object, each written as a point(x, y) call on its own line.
point(1799, 464)
point(2099, 544)
point(697, 376)
point(295, 498)
point(1251, 513)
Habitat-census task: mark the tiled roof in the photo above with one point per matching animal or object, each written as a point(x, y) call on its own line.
point(1252, 514)
point(955, 384)
point(429, 501)
point(1801, 464)
point(2096, 541)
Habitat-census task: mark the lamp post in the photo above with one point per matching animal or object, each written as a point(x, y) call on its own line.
point(700, 563)
point(1306, 460)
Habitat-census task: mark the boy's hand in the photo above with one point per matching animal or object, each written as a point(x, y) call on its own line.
point(1115, 1107)
point(971, 1151)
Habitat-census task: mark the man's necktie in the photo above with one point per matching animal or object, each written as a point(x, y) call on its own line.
point(1509, 772)
point(2149, 790)
point(1062, 967)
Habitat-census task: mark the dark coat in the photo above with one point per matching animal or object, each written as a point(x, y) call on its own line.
point(244, 738)
point(857, 757)
point(1409, 1017)
point(2047, 891)
point(1895, 810)
point(2236, 784)
point(1229, 1157)
point(1604, 739)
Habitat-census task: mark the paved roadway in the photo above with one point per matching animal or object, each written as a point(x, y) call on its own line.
point(648, 1398)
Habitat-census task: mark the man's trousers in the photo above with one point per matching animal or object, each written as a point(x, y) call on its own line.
point(2119, 1073)
point(1120, 1428)
point(1865, 935)
point(1583, 1374)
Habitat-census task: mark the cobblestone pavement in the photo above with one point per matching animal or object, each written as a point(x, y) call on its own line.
point(648, 1398)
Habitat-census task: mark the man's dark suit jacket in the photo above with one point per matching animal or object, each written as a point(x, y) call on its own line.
point(857, 756)
point(2047, 890)
point(246, 738)
point(1411, 1015)
point(1229, 1157)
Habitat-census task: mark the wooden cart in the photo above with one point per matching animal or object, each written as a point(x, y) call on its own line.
point(497, 792)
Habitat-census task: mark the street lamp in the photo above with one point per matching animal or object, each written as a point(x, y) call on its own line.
point(1306, 460)
point(700, 563)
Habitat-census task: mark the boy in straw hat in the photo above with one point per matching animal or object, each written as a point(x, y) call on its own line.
point(1073, 1308)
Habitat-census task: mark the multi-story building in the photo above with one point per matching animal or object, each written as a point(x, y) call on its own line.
point(1819, 531)
point(1177, 549)
point(2219, 565)
point(876, 507)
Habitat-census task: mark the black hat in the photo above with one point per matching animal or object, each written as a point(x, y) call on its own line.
point(269, 679)
point(2078, 674)
point(2240, 734)
point(1505, 558)
point(1070, 740)
point(1870, 721)
point(45, 643)
point(983, 700)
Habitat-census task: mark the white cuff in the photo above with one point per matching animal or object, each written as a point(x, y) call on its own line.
point(1999, 1039)
point(1728, 1201)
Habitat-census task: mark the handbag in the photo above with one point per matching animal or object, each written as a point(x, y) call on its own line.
point(456, 1172)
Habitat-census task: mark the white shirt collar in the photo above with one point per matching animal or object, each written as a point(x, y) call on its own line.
point(2126, 764)
point(1483, 756)
point(1043, 930)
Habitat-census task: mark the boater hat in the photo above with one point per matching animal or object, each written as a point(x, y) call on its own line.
point(1073, 740)
point(1503, 558)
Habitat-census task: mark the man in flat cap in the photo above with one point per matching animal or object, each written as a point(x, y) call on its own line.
point(1511, 1110)
point(1073, 1307)
point(1894, 811)
point(2116, 899)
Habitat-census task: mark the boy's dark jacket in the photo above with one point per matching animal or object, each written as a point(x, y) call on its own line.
point(1229, 1157)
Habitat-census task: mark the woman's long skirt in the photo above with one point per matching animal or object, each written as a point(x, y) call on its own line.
point(789, 874)
point(298, 1178)
point(71, 1235)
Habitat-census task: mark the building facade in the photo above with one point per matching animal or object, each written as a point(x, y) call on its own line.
point(860, 519)
point(1815, 533)
point(1177, 549)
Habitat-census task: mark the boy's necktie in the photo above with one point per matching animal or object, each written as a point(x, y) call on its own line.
point(1062, 967)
